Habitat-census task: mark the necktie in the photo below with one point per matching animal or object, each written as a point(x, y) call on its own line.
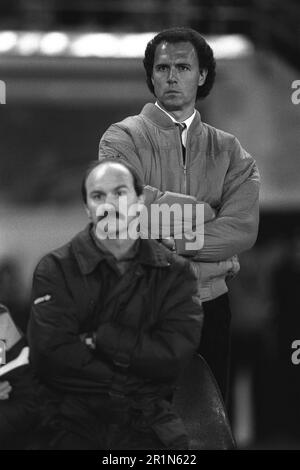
point(182, 126)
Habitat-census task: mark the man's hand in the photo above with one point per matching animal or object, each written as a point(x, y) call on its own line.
point(227, 268)
point(5, 389)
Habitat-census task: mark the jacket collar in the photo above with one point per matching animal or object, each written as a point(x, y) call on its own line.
point(161, 119)
point(152, 253)
point(89, 255)
point(187, 121)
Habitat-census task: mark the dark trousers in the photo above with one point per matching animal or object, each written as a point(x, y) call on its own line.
point(119, 425)
point(215, 340)
point(109, 436)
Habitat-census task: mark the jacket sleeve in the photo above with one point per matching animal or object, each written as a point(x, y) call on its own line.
point(235, 227)
point(161, 351)
point(56, 352)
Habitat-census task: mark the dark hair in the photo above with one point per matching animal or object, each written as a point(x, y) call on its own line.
point(137, 180)
point(3, 309)
point(204, 52)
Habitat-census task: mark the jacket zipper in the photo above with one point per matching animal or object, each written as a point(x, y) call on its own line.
point(183, 163)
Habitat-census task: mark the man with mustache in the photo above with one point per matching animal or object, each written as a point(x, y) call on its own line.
point(175, 152)
point(114, 319)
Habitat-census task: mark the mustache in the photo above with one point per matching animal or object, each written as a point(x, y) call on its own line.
point(101, 217)
point(106, 213)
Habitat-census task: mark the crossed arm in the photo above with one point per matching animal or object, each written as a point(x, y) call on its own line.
point(62, 358)
point(230, 230)
point(160, 351)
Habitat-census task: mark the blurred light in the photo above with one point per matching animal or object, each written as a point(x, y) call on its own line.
point(54, 43)
point(110, 45)
point(95, 45)
point(230, 46)
point(106, 45)
point(8, 40)
point(134, 45)
point(28, 43)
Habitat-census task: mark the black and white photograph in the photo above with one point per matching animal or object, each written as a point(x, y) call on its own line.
point(149, 228)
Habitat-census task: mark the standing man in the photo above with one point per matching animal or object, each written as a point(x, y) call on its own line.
point(175, 151)
point(114, 320)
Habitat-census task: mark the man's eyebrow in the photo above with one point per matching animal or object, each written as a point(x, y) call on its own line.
point(162, 62)
point(183, 62)
point(179, 62)
point(97, 191)
point(124, 185)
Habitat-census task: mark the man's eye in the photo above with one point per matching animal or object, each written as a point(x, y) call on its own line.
point(121, 192)
point(162, 68)
point(183, 67)
point(97, 197)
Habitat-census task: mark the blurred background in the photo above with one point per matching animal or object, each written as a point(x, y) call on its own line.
point(71, 68)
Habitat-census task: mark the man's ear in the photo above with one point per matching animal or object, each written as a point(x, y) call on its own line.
point(87, 211)
point(202, 77)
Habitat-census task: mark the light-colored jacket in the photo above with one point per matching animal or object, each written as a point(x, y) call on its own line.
point(217, 171)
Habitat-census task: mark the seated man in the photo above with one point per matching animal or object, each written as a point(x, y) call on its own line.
point(114, 320)
point(18, 401)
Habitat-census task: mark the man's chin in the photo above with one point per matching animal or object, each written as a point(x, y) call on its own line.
point(106, 235)
point(112, 235)
point(171, 104)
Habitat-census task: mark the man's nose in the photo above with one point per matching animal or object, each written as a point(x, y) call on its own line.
point(110, 198)
point(172, 77)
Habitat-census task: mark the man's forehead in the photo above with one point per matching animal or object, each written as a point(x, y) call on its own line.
point(180, 49)
point(110, 173)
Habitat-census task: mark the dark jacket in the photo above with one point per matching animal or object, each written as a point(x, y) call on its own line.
point(147, 322)
point(20, 412)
